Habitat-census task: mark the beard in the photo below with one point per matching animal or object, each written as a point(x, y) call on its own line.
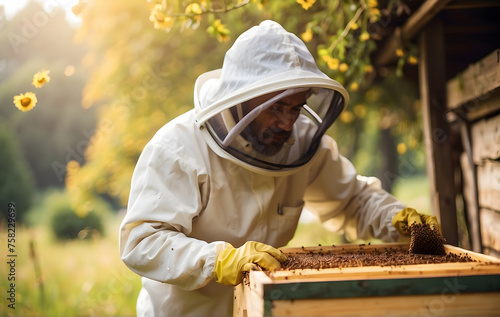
point(269, 141)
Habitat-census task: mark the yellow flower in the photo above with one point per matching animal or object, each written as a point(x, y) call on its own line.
point(223, 38)
point(401, 148)
point(156, 13)
point(374, 11)
point(364, 37)
point(194, 8)
point(372, 3)
point(306, 4)
point(72, 167)
point(343, 67)
point(374, 15)
point(354, 87)
point(166, 24)
point(41, 78)
point(194, 11)
point(219, 27)
point(346, 116)
point(220, 31)
point(413, 60)
point(400, 52)
point(307, 35)
point(354, 26)
point(161, 21)
point(260, 5)
point(369, 68)
point(332, 63)
point(25, 102)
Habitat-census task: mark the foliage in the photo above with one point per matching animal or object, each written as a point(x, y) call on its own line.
point(53, 209)
point(414, 190)
point(17, 184)
point(67, 225)
point(343, 32)
point(388, 104)
point(58, 129)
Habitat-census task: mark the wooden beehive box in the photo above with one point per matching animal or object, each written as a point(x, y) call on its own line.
point(465, 289)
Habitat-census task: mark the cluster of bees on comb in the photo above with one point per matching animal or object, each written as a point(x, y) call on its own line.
point(426, 240)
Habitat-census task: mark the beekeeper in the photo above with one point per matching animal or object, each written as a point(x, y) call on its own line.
point(220, 188)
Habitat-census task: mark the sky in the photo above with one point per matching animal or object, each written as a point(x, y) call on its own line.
point(14, 6)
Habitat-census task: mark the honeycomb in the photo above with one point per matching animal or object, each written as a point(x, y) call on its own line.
point(426, 240)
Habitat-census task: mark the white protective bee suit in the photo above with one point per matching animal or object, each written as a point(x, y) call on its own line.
point(197, 186)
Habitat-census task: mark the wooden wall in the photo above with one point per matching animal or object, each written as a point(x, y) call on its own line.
point(486, 155)
point(474, 97)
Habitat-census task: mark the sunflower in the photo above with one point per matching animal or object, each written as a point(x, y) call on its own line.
point(25, 102)
point(41, 78)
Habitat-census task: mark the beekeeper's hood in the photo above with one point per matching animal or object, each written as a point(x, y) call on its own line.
point(269, 106)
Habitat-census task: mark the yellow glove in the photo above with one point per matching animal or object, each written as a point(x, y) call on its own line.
point(231, 263)
point(406, 217)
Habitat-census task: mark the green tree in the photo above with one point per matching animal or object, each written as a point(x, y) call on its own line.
point(17, 182)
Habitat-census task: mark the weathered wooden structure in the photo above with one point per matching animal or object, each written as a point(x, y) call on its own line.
point(465, 289)
point(475, 101)
point(458, 76)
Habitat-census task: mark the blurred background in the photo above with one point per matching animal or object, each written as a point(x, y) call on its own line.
point(119, 70)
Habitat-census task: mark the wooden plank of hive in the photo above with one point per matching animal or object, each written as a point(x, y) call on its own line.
point(426, 305)
point(477, 80)
point(249, 295)
point(456, 288)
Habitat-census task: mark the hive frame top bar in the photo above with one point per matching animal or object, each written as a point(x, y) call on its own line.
point(342, 248)
point(484, 265)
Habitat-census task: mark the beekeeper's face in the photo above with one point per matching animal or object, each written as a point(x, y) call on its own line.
point(269, 131)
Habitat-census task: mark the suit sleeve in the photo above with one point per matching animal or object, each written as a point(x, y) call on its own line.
point(347, 202)
point(164, 199)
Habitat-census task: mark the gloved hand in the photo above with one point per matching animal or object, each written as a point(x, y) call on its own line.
point(231, 262)
point(406, 217)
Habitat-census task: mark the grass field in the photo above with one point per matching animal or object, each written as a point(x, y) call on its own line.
point(76, 278)
point(87, 277)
